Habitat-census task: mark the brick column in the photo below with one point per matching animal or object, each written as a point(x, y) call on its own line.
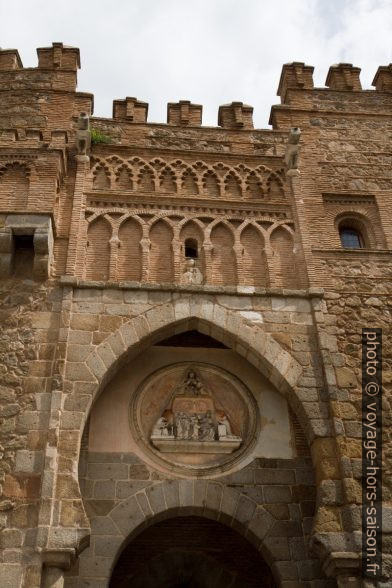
point(269, 260)
point(238, 252)
point(207, 247)
point(78, 210)
point(114, 245)
point(176, 253)
point(302, 235)
point(145, 247)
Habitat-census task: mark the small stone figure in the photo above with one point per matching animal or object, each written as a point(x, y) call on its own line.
point(161, 428)
point(195, 428)
point(224, 428)
point(207, 427)
point(292, 149)
point(192, 384)
point(182, 425)
point(83, 137)
point(192, 274)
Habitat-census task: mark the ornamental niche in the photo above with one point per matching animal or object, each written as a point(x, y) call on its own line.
point(193, 415)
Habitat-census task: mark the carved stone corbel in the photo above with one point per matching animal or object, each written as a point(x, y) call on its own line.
point(55, 562)
point(345, 567)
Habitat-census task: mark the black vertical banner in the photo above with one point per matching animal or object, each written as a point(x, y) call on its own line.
point(371, 453)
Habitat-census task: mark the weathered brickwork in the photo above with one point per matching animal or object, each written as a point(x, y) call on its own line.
point(127, 247)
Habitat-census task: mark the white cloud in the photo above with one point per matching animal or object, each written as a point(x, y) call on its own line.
point(210, 51)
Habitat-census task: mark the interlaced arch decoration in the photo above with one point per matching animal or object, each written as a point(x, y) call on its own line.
point(189, 179)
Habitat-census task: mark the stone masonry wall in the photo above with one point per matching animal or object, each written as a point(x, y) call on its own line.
point(29, 336)
point(281, 493)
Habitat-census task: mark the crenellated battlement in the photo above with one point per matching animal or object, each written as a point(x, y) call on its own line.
point(57, 69)
point(59, 161)
point(57, 72)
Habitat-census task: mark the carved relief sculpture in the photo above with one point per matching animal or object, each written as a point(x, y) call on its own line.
point(192, 423)
point(192, 274)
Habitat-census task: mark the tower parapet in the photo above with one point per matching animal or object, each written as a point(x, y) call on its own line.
point(130, 109)
point(383, 78)
point(295, 75)
point(184, 113)
point(343, 76)
point(10, 59)
point(59, 56)
point(236, 115)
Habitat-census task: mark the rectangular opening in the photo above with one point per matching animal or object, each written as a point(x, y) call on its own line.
point(23, 261)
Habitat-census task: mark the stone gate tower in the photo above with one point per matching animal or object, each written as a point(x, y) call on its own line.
point(181, 311)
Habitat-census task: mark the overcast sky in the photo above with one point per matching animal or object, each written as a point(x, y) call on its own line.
point(208, 51)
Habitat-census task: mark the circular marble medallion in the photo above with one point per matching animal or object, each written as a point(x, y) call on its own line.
point(193, 417)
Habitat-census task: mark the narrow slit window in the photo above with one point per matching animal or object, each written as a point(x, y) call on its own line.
point(191, 249)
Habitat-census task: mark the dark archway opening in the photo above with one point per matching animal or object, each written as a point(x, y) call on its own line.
point(191, 552)
point(23, 261)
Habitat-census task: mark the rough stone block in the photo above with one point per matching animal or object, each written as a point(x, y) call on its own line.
point(77, 353)
point(78, 371)
point(276, 494)
point(107, 471)
point(138, 472)
point(171, 491)
point(11, 575)
point(106, 353)
point(186, 492)
point(214, 496)
point(229, 502)
point(245, 510)
point(105, 489)
point(156, 498)
point(84, 322)
point(96, 366)
point(278, 546)
point(126, 489)
point(103, 526)
point(144, 504)
point(199, 493)
point(274, 476)
point(127, 516)
point(107, 546)
point(94, 567)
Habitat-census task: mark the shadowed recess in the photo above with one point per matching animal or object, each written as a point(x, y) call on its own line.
point(191, 552)
point(191, 339)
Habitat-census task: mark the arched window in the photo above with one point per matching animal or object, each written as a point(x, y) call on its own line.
point(350, 238)
point(191, 249)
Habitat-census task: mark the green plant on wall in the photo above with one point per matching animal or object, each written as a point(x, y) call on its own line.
point(99, 137)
